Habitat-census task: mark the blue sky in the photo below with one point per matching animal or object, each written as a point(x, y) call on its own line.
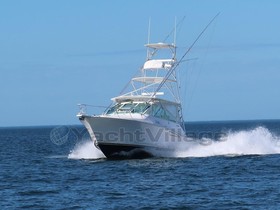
point(56, 54)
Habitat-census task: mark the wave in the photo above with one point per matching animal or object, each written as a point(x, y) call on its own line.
point(85, 150)
point(258, 141)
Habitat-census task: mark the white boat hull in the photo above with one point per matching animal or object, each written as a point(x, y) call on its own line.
point(132, 138)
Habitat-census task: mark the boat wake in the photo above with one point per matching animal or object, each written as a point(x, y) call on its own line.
point(85, 150)
point(258, 141)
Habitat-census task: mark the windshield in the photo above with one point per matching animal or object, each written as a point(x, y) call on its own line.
point(128, 107)
point(161, 110)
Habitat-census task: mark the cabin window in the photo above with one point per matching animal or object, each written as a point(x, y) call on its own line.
point(113, 109)
point(160, 110)
point(171, 111)
point(140, 108)
point(165, 111)
point(128, 108)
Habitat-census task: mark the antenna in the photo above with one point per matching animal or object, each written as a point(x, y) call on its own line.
point(175, 31)
point(149, 34)
point(149, 30)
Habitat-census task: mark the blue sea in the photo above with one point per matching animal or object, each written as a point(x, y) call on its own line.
point(228, 165)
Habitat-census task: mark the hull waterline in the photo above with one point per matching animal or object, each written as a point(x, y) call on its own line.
point(117, 151)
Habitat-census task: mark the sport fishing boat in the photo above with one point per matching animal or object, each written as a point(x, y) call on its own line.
point(146, 118)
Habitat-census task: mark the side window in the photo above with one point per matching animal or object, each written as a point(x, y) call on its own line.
point(158, 111)
point(167, 112)
point(171, 111)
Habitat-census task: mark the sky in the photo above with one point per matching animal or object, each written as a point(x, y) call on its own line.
point(57, 54)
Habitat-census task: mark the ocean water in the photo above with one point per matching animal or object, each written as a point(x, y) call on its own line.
point(227, 165)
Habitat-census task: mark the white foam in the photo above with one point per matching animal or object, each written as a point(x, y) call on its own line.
point(258, 141)
point(85, 150)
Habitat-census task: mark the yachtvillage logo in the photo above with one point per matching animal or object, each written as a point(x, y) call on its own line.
point(162, 135)
point(65, 134)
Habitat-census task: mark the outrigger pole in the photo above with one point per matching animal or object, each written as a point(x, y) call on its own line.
point(181, 59)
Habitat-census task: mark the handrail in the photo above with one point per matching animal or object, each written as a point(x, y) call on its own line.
point(84, 107)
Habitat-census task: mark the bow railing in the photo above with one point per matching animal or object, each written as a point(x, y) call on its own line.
point(87, 109)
